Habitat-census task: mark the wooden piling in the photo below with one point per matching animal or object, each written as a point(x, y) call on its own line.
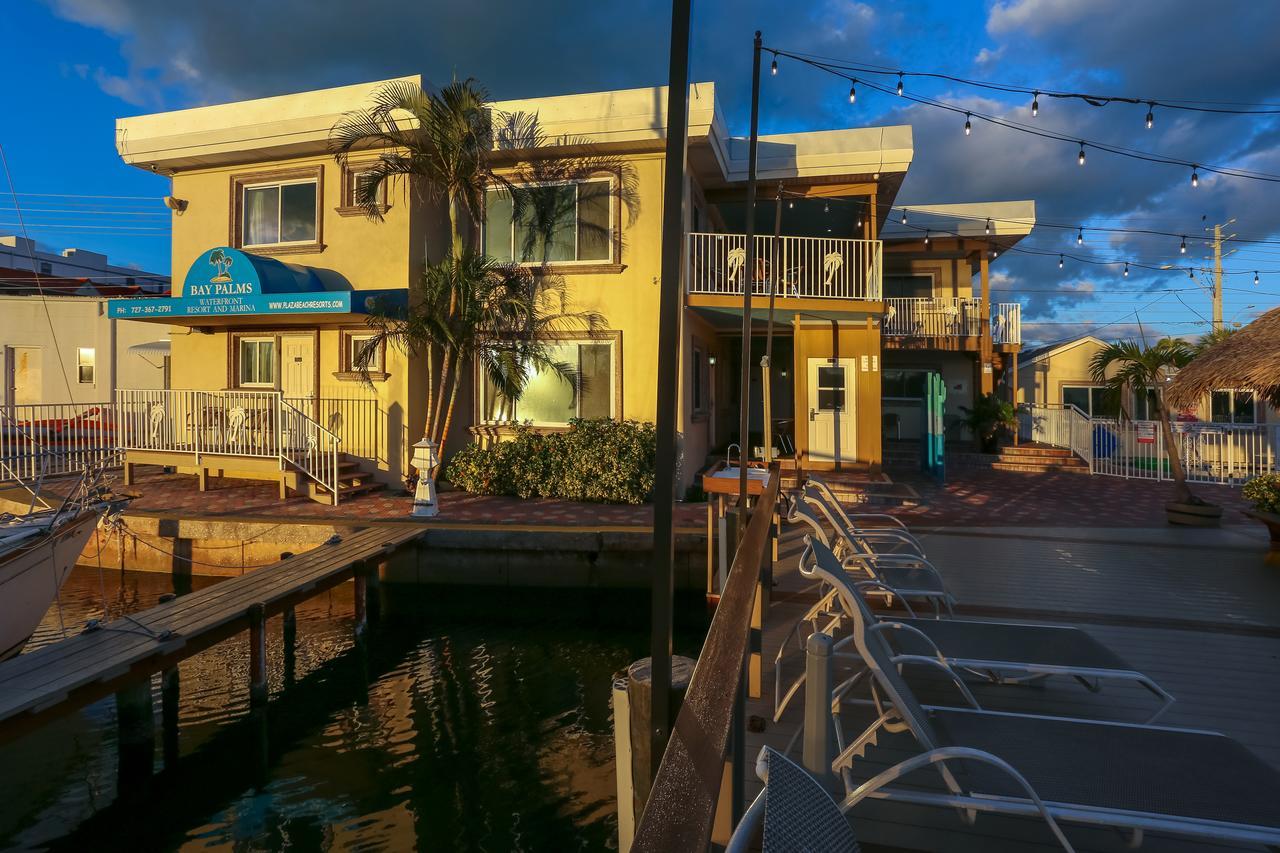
point(257, 656)
point(361, 600)
point(290, 630)
point(169, 695)
point(639, 690)
point(135, 725)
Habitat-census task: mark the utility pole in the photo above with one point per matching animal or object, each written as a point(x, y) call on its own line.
point(1217, 271)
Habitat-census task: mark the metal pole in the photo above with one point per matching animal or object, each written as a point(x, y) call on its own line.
point(767, 363)
point(663, 559)
point(1217, 277)
point(748, 280)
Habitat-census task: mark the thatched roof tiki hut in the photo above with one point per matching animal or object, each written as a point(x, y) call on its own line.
point(1249, 358)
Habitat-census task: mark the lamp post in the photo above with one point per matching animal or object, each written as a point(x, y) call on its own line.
point(425, 459)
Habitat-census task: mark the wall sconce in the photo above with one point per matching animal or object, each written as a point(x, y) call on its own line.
point(711, 360)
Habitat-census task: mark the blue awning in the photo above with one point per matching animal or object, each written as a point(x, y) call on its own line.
point(225, 282)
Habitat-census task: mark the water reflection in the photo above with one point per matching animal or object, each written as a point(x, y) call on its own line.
point(469, 720)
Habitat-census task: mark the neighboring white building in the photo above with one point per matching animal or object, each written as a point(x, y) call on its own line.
point(59, 345)
point(20, 253)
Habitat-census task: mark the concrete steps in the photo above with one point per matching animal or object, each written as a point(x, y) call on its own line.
point(352, 480)
point(1039, 458)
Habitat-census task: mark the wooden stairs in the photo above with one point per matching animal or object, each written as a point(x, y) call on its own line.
point(352, 480)
point(1039, 458)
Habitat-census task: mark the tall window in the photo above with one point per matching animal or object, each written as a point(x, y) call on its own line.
point(1096, 401)
point(279, 213)
point(86, 364)
point(558, 223)
point(549, 399)
point(1233, 407)
point(257, 362)
point(1144, 405)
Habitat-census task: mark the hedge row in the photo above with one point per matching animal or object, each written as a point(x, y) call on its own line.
point(598, 460)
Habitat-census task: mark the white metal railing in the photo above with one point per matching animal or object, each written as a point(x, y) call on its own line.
point(231, 423)
point(1210, 452)
point(1006, 323)
point(804, 267)
point(55, 439)
point(942, 316)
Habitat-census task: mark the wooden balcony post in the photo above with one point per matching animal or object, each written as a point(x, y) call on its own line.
point(986, 372)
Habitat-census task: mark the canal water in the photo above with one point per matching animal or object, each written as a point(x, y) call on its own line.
point(471, 719)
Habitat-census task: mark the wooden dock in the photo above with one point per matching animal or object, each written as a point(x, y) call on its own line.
point(123, 654)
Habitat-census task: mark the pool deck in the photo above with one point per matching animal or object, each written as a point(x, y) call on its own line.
point(1197, 610)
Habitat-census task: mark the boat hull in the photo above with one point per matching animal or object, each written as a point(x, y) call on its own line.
point(31, 575)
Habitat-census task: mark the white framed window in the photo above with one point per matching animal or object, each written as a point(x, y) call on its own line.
point(551, 399)
point(86, 364)
point(1096, 401)
point(1231, 406)
point(279, 213)
point(560, 223)
point(257, 362)
point(356, 343)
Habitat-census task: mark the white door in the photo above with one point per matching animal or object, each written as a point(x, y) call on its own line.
point(831, 410)
point(24, 380)
point(298, 371)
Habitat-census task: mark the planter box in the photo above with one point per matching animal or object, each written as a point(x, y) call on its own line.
point(1193, 515)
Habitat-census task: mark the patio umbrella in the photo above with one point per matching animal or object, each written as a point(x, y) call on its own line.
point(1249, 358)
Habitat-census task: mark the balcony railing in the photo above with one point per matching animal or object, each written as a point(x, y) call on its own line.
point(1006, 323)
point(804, 267)
point(950, 317)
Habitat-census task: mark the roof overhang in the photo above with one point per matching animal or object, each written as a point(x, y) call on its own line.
point(961, 228)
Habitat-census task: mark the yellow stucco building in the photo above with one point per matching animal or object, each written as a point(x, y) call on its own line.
point(276, 272)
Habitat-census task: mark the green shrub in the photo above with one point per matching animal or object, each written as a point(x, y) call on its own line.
point(597, 460)
point(1264, 492)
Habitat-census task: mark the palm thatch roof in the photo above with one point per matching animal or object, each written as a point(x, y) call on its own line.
point(1249, 358)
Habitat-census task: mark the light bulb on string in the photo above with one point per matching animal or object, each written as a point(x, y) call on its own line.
point(899, 84)
point(994, 254)
point(926, 236)
point(853, 92)
point(1060, 261)
point(791, 205)
point(1195, 177)
point(968, 126)
point(773, 66)
point(904, 216)
point(1191, 274)
point(1080, 237)
point(826, 207)
point(1126, 269)
point(1035, 104)
point(1080, 156)
point(1255, 277)
point(988, 225)
point(1151, 118)
point(1182, 249)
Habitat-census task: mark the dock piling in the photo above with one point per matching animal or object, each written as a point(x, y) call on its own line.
point(135, 725)
point(169, 694)
point(289, 623)
point(361, 577)
point(257, 656)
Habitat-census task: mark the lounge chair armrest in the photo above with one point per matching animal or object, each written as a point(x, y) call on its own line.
point(882, 515)
point(884, 587)
point(953, 753)
point(945, 667)
point(884, 625)
point(744, 834)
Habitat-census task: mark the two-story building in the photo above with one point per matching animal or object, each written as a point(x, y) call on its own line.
point(277, 271)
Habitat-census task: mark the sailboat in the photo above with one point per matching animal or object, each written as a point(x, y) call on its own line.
point(37, 552)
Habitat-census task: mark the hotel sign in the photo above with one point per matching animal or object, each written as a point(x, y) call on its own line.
point(226, 281)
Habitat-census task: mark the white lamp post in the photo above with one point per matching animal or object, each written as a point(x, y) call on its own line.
point(425, 459)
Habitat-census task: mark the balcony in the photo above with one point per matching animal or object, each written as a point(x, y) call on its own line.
point(806, 267)
point(950, 318)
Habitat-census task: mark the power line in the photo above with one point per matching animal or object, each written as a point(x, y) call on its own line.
point(971, 114)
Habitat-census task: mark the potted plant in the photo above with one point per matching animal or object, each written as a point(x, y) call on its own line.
point(989, 420)
point(1263, 492)
point(1132, 365)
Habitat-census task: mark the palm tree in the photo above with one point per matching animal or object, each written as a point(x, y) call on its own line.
point(452, 146)
point(1134, 367)
point(1217, 336)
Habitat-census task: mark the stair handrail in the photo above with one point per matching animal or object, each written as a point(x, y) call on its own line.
point(319, 457)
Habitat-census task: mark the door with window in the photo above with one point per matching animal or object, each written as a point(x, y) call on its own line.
point(831, 411)
point(298, 372)
point(24, 377)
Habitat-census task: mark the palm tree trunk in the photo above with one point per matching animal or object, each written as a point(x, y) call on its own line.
point(441, 393)
point(1181, 491)
point(431, 369)
point(448, 417)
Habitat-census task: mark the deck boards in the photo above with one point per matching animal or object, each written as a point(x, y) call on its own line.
point(1205, 626)
point(67, 674)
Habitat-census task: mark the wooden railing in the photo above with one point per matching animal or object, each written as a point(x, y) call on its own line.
point(804, 267)
point(682, 804)
point(50, 440)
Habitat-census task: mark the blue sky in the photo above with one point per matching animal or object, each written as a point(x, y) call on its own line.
point(76, 65)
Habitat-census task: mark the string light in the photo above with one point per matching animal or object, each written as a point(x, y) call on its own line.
point(1191, 274)
point(1195, 177)
point(926, 236)
point(1126, 269)
point(968, 126)
point(853, 93)
point(1060, 261)
point(988, 224)
point(904, 216)
point(1080, 237)
point(773, 66)
point(1080, 157)
point(1255, 276)
point(791, 205)
point(899, 84)
point(1182, 249)
point(1035, 104)
point(826, 207)
point(994, 253)
point(1151, 117)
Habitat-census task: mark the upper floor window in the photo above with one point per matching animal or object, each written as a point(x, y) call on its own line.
point(46, 268)
point(353, 174)
point(278, 212)
point(86, 364)
point(1233, 407)
point(557, 223)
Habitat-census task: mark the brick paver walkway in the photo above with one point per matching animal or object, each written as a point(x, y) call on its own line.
point(981, 498)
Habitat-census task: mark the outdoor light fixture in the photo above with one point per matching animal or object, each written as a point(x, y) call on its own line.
point(904, 216)
point(1195, 177)
point(853, 93)
point(1182, 249)
point(1060, 261)
point(968, 127)
point(425, 459)
point(1126, 269)
point(926, 236)
point(988, 225)
point(1255, 276)
point(791, 205)
point(1080, 156)
point(1035, 104)
point(1080, 237)
point(1191, 274)
point(773, 66)
point(899, 84)
point(1151, 119)
point(826, 207)
point(711, 360)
